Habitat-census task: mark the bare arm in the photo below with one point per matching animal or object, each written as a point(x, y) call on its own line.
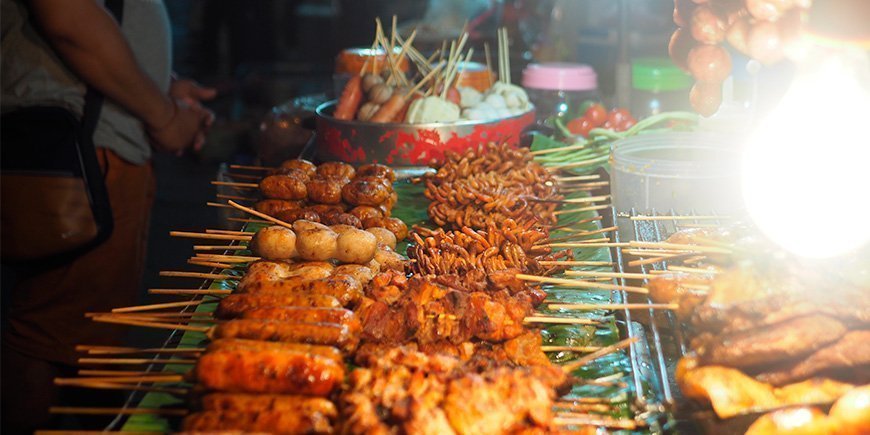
point(91, 42)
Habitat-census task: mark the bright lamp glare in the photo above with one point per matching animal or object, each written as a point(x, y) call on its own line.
point(806, 170)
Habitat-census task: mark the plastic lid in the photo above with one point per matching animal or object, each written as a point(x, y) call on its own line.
point(658, 74)
point(560, 77)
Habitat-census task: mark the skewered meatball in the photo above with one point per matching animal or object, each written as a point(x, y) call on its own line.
point(272, 207)
point(363, 212)
point(341, 219)
point(384, 236)
point(302, 225)
point(356, 246)
point(336, 170)
point(323, 209)
point(283, 187)
point(393, 224)
point(341, 228)
point(294, 215)
point(302, 165)
point(324, 191)
point(376, 170)
point(366, 191)
point(316, 244)
point(274, 243)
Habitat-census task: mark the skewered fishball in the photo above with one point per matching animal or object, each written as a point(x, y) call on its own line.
point(356, 246)
point(376, 170)
point(367, 110)
point(324, 191)
point(272, 207)
point(336, 170)
point(301, 165)
point(366, 191)
point(363, 212)
point(371, 80)
point(293, 215)
point(380, 93)
point(316, 244)
point(274, 243)
point(384, 236)
point(287, 187)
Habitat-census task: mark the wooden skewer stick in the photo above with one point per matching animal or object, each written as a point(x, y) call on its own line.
point(86, 372)
point(236, 184)
point(578, 178)
point(136, 308)
point(588, 245)
point(122, 321)
point(575, 263)
point(210, 264)
point(581, 284)
point(606, 274)
point(560, 320)
point(663, 257)
point(588, 407)
point(613, 306)
point(251, 168)
point(184, 291)
point(194, 235)
point(260, 215)
point(680, 247)
point(217, 204)
point(581, 209)
point(135, 361)
point(220, 247)
point(214, 276)
point(229, 258)
point(128, 387)
point(607, 350)
point(232, 261)
point(570, 348)
point(580, 222)
point(243, 176)
point(235, 197)
point(584, 400)
point(159, 377)
point(580, 164)
point(82, 410)
point(117, 350)
point(710, 271)
point(247, 221)
point(232, 232)
point(676, 218)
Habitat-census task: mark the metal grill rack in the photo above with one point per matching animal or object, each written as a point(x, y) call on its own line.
point(660, 342)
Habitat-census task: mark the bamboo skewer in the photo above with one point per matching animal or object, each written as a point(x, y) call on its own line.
point(135, 361)
point(570, 348)
point(128, 387)
point(82, 410)
point(236, 184)
point(560, 320)
point(559, 149)
point(243, 176)
point(235, 197)
point(217, 204)
point(613, 306)
point(681, 247)
point(213, 276)
point(607, 274)
point(155, 306)
point(574, 419)
point(231, 232)
point(693, 270)
point(160, 377)
point(663, 257)
point(572, 200)
point(260, 215)
point(580, 222)
point(87, 372)
point(229, 258)
point(575, 263)
point(582, 209)
point(588, 245)
point(580, 283)
point(209, 236)
point(118, 350)
point(247, 221)
point(220, 247)
point(184, 291)
point(122, 321)
point(251, 168)
point(210, 264)
point(589, 177)
point(676, 218)
point(604, 351)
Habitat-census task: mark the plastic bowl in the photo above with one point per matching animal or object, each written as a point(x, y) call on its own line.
point(401, 144)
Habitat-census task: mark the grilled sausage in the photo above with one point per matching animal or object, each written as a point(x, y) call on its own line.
point(324, 191)
point(346, 289)
point(267, 402)
point(366, 191)
point(301, 165)
point(336, 170)
point(395, 225)
point(338, 316)
point(287, 187)
point(252, 282)
point(272, 422)
point(272, 207)
point(268, 371)
point(328, 334)
point(327, 352)
point(376, 170)
point(234, 305)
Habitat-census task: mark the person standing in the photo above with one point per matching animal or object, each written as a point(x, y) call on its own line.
point(52, 50)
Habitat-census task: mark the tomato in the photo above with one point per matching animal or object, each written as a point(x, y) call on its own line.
point(618, 116)
point(626, 124)
point(710, 63)
point(596, 114)
point(580, 126)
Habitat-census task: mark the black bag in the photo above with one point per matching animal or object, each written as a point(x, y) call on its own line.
point(54, 198)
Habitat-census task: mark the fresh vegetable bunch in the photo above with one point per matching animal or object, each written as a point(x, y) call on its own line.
point(596, 116)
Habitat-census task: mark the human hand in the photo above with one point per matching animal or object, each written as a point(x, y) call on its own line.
point(186, 127)
point(193, 94)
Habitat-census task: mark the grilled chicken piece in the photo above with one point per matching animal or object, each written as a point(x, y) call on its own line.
point(328, 352)
point(851, 351)
point(272, 422)
point(268, 402)
point(237, 304)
